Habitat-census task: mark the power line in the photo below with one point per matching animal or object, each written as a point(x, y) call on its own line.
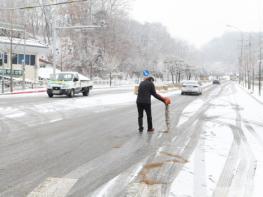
point(44, 5)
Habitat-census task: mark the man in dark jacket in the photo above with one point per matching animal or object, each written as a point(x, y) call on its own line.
point(146, 89)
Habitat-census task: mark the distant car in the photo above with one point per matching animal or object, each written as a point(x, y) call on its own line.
point(191, 87)
point(216, 81)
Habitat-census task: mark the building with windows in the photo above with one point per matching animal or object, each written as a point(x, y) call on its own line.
point(26, 54)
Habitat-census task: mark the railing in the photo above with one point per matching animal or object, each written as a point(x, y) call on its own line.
point(113, 83)
point(18, 85)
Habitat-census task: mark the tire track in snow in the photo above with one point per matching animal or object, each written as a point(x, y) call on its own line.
point(84, 186)
point(237, 176)
point(115, 183)
point(182, 146)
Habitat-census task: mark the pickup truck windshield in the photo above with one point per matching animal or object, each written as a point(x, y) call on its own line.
point(64, 77)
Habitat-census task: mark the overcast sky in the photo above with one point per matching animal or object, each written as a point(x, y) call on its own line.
point(198, 21)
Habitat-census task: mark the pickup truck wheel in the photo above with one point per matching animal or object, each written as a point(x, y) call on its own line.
point(49, 93)
point(86, 92)
point(71, 93)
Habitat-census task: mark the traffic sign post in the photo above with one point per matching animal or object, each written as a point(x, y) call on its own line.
point(3, 80)
point(2, 71)
point(146, 73)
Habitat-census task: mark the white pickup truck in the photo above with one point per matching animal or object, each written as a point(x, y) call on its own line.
point(69, 83)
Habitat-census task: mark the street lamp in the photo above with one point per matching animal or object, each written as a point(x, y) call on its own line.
point(241, 52)
point(259, 65)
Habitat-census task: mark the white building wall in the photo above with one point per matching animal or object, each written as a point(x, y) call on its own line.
point(33, 47)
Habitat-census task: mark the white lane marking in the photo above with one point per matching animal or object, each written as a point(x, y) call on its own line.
point(15, 115)
point(160, 135)
point(118, 183)
point(55, 120)
point(106, 188)
point(80, 171)
point(53, 187)
point(144, 190)
point(88, 167)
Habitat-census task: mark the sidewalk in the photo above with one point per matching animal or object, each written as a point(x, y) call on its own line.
point(254, 94)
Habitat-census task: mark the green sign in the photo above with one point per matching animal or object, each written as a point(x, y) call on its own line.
point(7, 72)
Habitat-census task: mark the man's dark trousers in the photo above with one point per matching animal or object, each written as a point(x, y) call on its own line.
point(147, 107)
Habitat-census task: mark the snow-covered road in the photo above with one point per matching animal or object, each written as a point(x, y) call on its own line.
point(217, 151)
point(89, 146)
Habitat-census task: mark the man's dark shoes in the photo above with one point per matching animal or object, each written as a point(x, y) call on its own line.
point(151, 130)
point(140, 130)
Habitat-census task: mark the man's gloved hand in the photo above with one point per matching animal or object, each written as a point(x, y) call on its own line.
point(167, 100)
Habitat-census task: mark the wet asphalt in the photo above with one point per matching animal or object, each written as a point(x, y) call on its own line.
point(86, 145)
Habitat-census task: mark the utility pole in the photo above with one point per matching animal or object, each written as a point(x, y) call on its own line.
point(61, 60)
point(2, 73)
point(246, 66)
point(249, 63)
point(54, 37)
point(241, 72)
point(241, 69)
point(259, 69)
point(10, 27)
point(11, 54)
point(11, 10)
point(24, 60)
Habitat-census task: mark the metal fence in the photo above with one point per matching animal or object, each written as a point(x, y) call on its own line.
point(113, 83)
point(18, 85)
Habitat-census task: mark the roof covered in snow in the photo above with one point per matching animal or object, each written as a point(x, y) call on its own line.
point(19, 41)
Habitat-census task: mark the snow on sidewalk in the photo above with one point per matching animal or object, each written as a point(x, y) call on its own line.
point(255, 93)
point(253, 127)
point(220, 157)
point(200, 175)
